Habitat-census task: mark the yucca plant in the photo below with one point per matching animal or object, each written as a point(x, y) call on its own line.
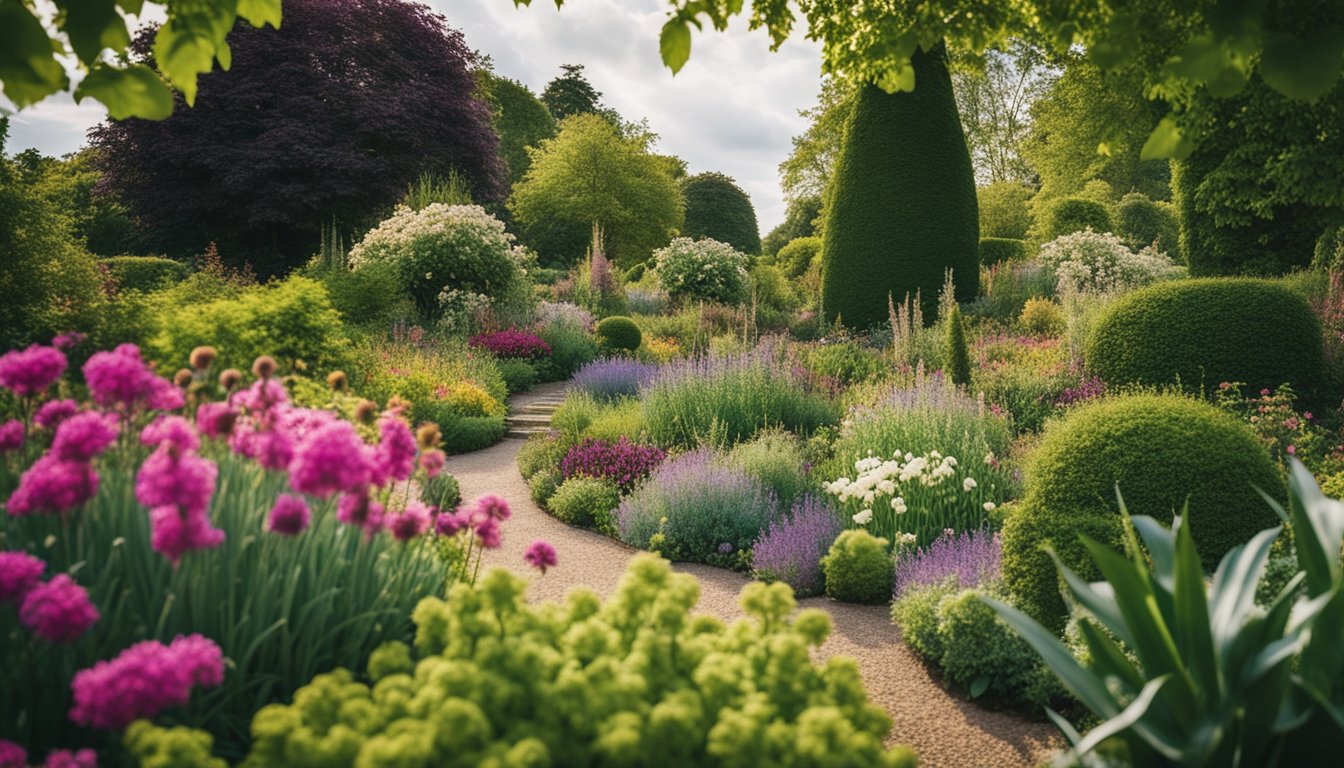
point(1189, 672)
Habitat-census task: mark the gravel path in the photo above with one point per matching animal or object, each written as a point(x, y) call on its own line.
point(945, 729)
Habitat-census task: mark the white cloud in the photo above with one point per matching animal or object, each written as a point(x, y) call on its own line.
point(732, 109)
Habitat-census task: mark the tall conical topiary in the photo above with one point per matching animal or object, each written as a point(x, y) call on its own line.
point(902, 206)
point(958, 356)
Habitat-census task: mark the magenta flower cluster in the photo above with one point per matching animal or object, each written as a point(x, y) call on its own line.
point(177, 485)
point(57, 611)
point(31, 371)
point(790, 548)
point(1089, 389)
point(513, 343)
point(483, 518)
point(971, 558)
point(622, 462)
point(63, 478)
point(12, 433)
point(144, 680)
point(120, 379)
point(540, 555)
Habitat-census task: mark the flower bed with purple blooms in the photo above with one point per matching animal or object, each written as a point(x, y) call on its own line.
point(512, 343)
point(790, 549)
point(613, 377)
point(622, 462)
point(971, 558)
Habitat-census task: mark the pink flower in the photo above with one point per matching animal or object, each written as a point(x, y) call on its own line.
point(493, 506)
point(11, 436)
point(19, 573)
point(172, 432)
point(144, 680)
point(263, 395)
point(215, 419)
point(53, 485)
point(58, 611)
point(540, 555)
point(330, 460)
point(175, 532)
point(1292, 450)
point(185, 481)
point(12, 755)
point(271, 448)
point(53, 412)
point(360, 510)
point(412, 522)
point(289, 516)
point(64, 758)
point(432, 461)
point(31, 371)
point(449, 523)
point(121, 379)
point(84, 436)
point(68, 339)
point(487, 530)
point(395, 456)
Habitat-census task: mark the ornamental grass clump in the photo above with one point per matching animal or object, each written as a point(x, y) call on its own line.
point(613, 377)
point(790, 549)
point(622, 462)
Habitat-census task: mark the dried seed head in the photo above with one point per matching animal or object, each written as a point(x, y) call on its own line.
point(337, 381)
point(366, 412)
point(230, 379)
point(427, 436)
point(263, 367)
point(202, 357)
point(183, 378)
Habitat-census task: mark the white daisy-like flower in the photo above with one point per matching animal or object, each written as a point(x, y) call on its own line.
point(968, 484)
point(864, 517)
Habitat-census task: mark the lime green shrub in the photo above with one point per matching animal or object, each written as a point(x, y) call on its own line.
point(775, 459)
point(846, 362)
point(585, 501)
point(902, 210)
point(1075, 214)
point(1209, 331)
point(292, 321)
point(619, 333)
point(982, 653)
point(144, 273)
point(994, 250)
point(372, 295)
point(1042, 317)
point(1141, 222)
point(637, 679)
point(916, 613)
point(1162, 451)
point(858, 569)
point(543, 484)
point(798, 255)
point(540, 452)
point(1004, 212)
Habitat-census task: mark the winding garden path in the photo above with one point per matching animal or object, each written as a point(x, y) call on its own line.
point(945, 729)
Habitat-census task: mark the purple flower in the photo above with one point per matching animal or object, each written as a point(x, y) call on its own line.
point(58, 611)
point(359, 510)
point(216, 419)
point(433, 461)
point(395, 456)
point(53, 485)
point(622, 462)
point(174, 432)
point(53, 412)
point(144, 680)
point(12, 755)
point(332, 459)
point(512, 343)
point(540, 555)
point(19, 573)
point(449, 523)
point(413, 521)
point(172, 479)
point(64, 758)
point(613, 377)
point(176, 531)
point(11, 436)
point(790, 549)
point(972, 558)
point(289, 516)
point(1088, 390)
point(121, 379)
point(83, 436)
point(68, 339)
point(493, 507)
point(29, 372)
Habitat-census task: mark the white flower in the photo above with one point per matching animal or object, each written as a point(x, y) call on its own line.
point(904, 539)
point(886, 487)
point(864, 517)
point(898, 505)
point(968, 484)
point(950, 461)
point(990, 506)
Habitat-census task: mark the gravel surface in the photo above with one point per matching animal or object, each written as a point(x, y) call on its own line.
point(945, 729)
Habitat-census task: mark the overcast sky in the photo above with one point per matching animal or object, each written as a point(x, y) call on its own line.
point(732, 109)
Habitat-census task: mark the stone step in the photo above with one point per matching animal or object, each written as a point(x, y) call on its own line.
point(538, 408)
point(528, 419)
point(522, 434)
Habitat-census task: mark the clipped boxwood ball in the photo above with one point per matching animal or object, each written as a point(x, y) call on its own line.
point(1206, 332)
point(1161, 450)
point(1075, 214)
point(858, 569)
point(619, 333)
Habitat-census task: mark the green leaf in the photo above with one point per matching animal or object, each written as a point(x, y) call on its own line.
point(1193, 636)
point(1129, 718)
point(131, 92)
point(94, 25)
point(675, 44)
point(29, 71)
point(1303, 68)
point(979, 685)
point(1166, 142)
point(1089, 688)
point(260, 12)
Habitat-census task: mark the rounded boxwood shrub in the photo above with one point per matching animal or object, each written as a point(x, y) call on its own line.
point(1206, 332)
point(858, 569)
point(797, 257)
point(1140, 222)
point(619, 333)
point(994, 250)
point(584, 500)
point(1074, 214)
point(144, 273)
point(1162, 451)
point(981, 653)
point(716, 207)
point(1042, 317)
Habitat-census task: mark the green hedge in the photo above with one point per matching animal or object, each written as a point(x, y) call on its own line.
point(994, 250)
point(1162, 451)
point(144, 273)
point(1208, 331)
point(1140, 222)
point(1074, 214)
point(903, 207)
point(619, 333)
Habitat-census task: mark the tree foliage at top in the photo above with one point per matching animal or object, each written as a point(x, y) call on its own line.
point(521, 120)
point(718, 209)
point(591, 173)
point(807, 170)
point(330, 116)
point(570, 93)
point(800, 220)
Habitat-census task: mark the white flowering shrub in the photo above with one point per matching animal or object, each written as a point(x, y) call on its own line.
point(446, 256)
point(1100, 262)
point(911, 500)
point(702, 270)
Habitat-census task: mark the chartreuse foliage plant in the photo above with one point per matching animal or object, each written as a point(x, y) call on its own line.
point(637, 680)
point(1190, 672)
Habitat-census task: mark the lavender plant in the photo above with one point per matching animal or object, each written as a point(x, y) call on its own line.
point(613, 377)
point(790, 549)
point(967, 559)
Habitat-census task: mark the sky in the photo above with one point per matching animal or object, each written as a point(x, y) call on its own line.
point(733, 108)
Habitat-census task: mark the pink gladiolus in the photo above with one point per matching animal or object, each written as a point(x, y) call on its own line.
point(144, 680)
point(19, 573)
point(58, 611)
point(540, 555)
point(31, 371)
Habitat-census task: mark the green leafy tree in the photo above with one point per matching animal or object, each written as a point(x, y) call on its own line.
point(521, 120)
point(995, 94)
point(800, 220)
point(1003, 209)
point(571, 94)
point(902, 209)
point(807, 171)
point(591, 173)
point(718, 209)
point(188, 44)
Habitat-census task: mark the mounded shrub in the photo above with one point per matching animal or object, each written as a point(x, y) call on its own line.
point(994, 250)
point(858, 569)
point(716, 207)
point(1208, 331)
point(776, 459)
point(519, 375)
point(1074, 214)
point(1004, 210)
point(903, 207)
point(441, 491)
point(916, 613)
point(702, 270)
point(1161, 451)
point(796, 257)
point(1141, 222)
point(543, 485)
point(1042, 317)
point(979, 649)
point(584, 501)
point(619, 333)
point(540, 452)
point(464, 434)
point(144, 273)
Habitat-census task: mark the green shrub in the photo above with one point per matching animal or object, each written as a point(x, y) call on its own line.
point(144, 273)
point(572, 346)
point(771, 291)
point(1004, 212)
point(370, 296)
point(541, 452)
point(846, 362)
point(292, 321)
point(981, 653)
point(902, 209)
point(543, 484)
point(621, 418)
point(1042, 317)
point(916, 613)
point(702, 270)
point(582, 501)
point(519, 375)
point(619, 333)
point(776, 460)
point(441, 491)
point(1141, 222)
point(1162, 451)
point(464, 434)
point(1075, 214)
point(1205, 332)
point(717, 208)
point(797, 256)
point(858, 569)
point(956, 355)
point(994, 250)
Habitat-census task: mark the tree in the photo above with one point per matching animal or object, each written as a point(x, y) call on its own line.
point(71, 185)
point(902, 206)
point(718, 209)
point(521, 120)
point(191, 41)
point(807, 170)
point(994, 97)
point(800, 218)
point(592, 174)
point(330, 116)
point(571, 94)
